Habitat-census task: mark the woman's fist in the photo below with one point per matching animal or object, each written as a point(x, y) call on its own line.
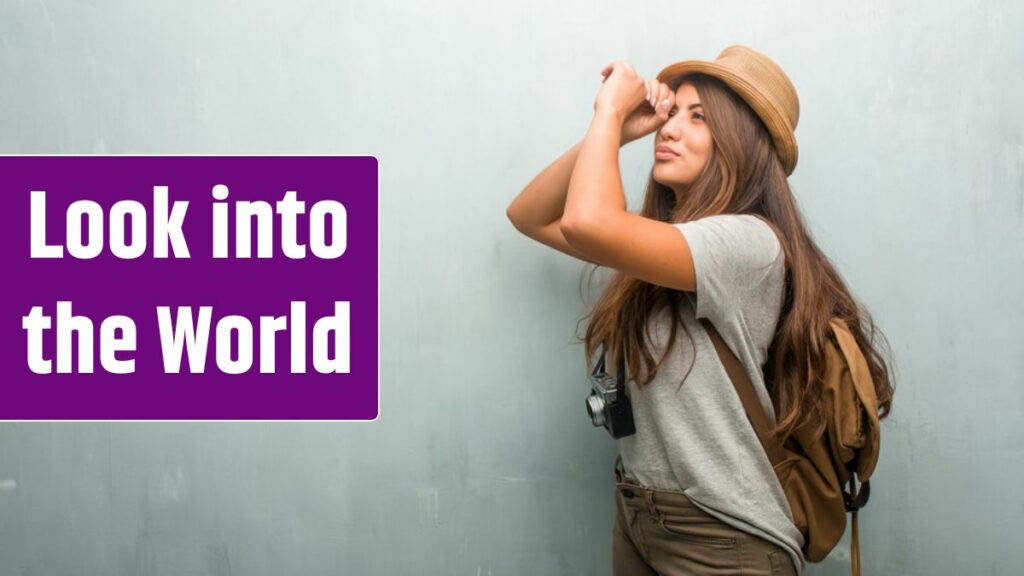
point(622, 89)
point(642, 104)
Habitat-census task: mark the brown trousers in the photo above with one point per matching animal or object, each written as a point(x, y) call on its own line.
point(664, 533)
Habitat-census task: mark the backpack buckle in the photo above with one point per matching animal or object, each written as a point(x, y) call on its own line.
point(854, 503)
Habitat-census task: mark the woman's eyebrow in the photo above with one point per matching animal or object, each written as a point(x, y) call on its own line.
point(692, 106)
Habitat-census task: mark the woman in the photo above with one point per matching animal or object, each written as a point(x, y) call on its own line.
point(719, 237)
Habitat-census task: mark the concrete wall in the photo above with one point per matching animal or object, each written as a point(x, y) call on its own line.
point(482, 462)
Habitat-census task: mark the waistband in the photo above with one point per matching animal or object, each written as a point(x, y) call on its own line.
point(631, 489)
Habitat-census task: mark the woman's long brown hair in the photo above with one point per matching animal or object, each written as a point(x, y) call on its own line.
point(744, 176)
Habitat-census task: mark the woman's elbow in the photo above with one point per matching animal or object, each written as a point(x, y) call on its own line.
point(514, 217)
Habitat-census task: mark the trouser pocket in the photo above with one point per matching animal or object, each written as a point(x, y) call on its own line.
point(677, 516)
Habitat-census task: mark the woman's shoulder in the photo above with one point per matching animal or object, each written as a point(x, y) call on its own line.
point(770, 230)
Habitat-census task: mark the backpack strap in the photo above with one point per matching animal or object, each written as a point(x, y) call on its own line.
point(745, 390)
point(759, 420)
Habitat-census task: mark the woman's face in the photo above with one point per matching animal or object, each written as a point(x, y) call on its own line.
point(687, 138)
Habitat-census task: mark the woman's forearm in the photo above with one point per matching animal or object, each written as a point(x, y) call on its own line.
point(595, 188)
point(543, 200)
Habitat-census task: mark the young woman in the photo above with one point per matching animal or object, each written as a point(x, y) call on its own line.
point(719, 237)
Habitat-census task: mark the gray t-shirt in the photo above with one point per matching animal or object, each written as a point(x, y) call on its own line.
point(695, 438)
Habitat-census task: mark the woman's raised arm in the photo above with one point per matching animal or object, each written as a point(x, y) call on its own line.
point(537, 210)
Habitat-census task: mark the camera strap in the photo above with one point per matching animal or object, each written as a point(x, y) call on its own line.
point(620, 382)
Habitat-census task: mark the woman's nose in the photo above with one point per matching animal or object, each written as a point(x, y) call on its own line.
point(670, 127)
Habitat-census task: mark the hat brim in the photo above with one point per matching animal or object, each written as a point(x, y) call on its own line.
point(774, 120)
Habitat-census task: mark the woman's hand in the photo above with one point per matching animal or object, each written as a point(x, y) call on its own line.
point(642, 105)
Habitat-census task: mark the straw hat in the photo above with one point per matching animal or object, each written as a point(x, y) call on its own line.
point(761, 83)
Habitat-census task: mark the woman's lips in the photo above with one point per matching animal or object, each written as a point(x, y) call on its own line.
point(662, 153)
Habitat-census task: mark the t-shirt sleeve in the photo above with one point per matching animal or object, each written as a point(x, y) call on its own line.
point(732, 256)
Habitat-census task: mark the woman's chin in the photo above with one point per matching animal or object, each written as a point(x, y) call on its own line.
point(660, 177)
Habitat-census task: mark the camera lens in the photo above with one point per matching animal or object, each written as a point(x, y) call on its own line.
point(595, 407)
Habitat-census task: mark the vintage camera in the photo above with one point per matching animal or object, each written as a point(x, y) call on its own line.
point(608, 404)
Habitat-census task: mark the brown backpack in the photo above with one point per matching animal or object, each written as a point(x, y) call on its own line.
point(815, 472)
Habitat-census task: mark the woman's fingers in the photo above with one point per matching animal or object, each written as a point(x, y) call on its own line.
point(658, 96)
point(664, 96)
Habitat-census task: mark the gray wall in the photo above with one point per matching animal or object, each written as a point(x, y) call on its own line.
point(482, 462)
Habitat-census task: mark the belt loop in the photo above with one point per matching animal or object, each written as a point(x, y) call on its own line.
point(649, 497)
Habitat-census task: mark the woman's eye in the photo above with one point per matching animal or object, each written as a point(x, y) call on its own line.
point(672, 113)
